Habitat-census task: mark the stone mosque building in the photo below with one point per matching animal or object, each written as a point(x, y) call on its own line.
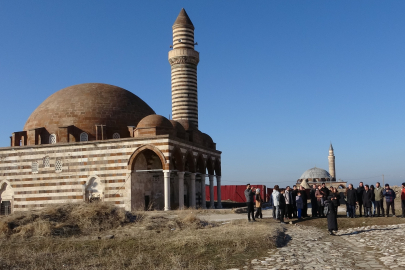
point(317, 175)
point(96, 141)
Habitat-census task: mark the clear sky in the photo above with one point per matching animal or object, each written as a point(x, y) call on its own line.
point(277, 80)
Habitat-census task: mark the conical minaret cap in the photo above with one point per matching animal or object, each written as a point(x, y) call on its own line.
point(331, 147)
point(183, 20)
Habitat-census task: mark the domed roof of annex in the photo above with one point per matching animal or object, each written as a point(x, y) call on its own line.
point(187, 124)
point(87, 105)
point(315, 173)
point(155, 120)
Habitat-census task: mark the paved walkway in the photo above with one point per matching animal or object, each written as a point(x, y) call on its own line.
point(373, 247)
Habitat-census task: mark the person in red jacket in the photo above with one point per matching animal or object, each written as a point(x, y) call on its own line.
point(403, 200)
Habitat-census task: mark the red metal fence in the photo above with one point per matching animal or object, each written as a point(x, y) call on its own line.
point(234, 193)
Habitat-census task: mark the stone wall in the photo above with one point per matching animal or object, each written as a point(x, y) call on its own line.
point(37, 176)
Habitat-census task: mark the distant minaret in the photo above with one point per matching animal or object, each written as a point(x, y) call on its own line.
point(183, 60)
point(331, 159)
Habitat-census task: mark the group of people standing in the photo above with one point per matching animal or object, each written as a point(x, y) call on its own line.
point(292, 203)
point(370, 200)
point(289, 203)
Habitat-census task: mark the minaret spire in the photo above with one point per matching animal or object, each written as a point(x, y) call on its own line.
point(184, 60)
point(331, 159)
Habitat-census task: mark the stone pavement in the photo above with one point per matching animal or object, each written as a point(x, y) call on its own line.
point(372, 247)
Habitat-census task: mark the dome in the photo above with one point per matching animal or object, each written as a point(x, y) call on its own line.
point(87, 105)
point(188, 125)
point(207, 138)
point(180, 131)
point(155, 120)
point(315, 173)
point(177, 126)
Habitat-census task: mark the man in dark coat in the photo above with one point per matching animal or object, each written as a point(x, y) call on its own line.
point(249, 195)
point(325, 191)
point(351, 201)
point(314, 203)
point(332, 203)
point(389, 195)
point(367, 197)
point(305, 201)
point(360, 191)
point(294, 205)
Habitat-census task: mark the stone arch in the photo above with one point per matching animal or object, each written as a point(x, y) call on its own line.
point(93, 189)
point(176, 160)
point(189, 164)
point(200, 164)
point(131, 161)
point(210, 166)
point(146, 186)
point(217, 167)
point(341, 186)
point(6, 198)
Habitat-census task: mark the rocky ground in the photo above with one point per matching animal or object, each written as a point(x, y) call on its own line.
point(371, 247)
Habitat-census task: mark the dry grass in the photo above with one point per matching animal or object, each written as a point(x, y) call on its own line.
point(63, 220)
point(103, 238)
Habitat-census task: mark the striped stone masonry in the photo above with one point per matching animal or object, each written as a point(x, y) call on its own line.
point(30, 180)
point(184, 60)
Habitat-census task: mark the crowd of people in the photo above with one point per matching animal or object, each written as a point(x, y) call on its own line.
point(293, 203)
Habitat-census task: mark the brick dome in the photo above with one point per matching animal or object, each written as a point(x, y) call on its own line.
point(155, 120)
point(188, 125)
point(179, 129)
point(86, 105)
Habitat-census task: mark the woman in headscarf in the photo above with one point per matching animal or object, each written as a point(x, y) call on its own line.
point(259, 202)
point(332, 203)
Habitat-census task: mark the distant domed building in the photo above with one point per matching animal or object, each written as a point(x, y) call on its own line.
point(317, 175)
point(96, 141)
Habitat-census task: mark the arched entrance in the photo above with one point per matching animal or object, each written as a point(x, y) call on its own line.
point(147, 186)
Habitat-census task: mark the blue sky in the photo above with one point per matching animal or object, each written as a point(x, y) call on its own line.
point(277, 80)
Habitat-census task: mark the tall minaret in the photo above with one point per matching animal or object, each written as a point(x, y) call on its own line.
point(331, 159)
point(183, 60)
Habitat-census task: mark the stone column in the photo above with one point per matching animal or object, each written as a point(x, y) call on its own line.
point(203, 201)
point(212, 205)
point(181, 189)
point(167, 189)
point(219, 204)
point(192, 195)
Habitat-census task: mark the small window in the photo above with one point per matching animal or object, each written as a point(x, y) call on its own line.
point(52, 139)
point(46, 162)
point(58, 165)
point(34, 167)
point(116, 135)
point(84, 137)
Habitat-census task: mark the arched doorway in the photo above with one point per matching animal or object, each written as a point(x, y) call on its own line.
point(147, 182)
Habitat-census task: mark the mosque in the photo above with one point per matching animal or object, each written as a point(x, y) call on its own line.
point(317, 175)
point(96, 141)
